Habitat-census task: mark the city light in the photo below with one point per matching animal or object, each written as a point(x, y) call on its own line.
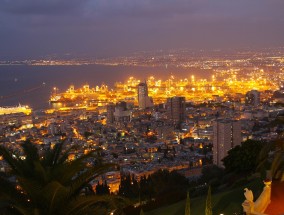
point(198, 90)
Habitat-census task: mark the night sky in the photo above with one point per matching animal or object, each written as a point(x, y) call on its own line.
point(102, 28)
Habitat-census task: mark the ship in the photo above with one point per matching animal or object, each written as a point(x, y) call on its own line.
point(15, 109)
point(56, 99)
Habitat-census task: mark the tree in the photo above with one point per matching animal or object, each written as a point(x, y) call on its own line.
point(187, 205)
point(141, 212)
point(102, 189)
point(277, 166)
point(164, 181)
point(158, 184)
point(208, 206)
point(49, 183)
point(243, 158)
point(264, 160)
point(211, 172)
point(272, 161)
point(128, 186)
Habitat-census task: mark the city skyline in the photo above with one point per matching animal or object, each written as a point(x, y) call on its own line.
point(105, 28)
point(128, 106)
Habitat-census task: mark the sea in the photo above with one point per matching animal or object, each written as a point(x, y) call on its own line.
point(32, 85)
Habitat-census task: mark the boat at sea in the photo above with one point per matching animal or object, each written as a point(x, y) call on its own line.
point(15, 109)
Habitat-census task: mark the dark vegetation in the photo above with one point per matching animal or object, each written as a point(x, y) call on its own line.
point(47, 182)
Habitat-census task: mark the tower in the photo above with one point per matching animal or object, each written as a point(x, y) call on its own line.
point(226, 135)
point(176, 109)
point(110, 113)
point(144, 100)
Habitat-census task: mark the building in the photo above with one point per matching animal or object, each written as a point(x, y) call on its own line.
point(176, 109)
point(252, 98)
point(121, 113)
point(144, 101)
point(110, 112)
point(118, 113)
point(278, 96)
point(226, 135)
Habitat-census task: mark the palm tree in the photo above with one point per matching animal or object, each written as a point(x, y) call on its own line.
point(275, 163)
point(50, 183)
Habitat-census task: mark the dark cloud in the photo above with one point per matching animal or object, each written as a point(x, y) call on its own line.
point(109, 27)
point(41, 7)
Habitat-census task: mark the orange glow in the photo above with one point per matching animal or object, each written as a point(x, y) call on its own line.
point(197, 90)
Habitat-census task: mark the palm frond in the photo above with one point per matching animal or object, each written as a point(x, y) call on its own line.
point(69, 170)
point(51, 184)
point(278, 159)
point(57, 151)
point(81, 181)
point(40, 173)
point(54, 195)
point(10, 191)
point(24, 210)
point(31, 152)
point(64, 156)
point(31, 187)
point(14, 162)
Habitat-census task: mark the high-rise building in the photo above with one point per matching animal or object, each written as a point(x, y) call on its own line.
point(226, 135)
point(252, 98)
point(110, 113)
point(144, 100)
point(176, 109)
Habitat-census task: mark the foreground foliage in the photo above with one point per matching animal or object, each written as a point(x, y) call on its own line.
point(243, 158)
point(208, 206)
point(48, 183)
point(227, 202)
point(157, 184)
point(271, 158)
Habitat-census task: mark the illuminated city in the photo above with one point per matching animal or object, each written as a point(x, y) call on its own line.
point(177, 124)
point(194, 90)
point(184, 118)
point(133, 107)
